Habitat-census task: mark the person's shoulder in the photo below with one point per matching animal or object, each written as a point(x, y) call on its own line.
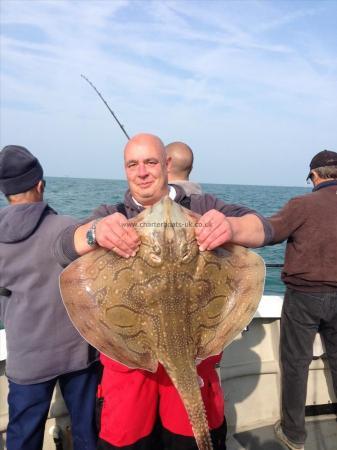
point(105, 210)
point(190, 187)
point(201, 203)
point(57, 222)
point(205, 196)
point(302, 199)
point(64, 219)
point(194, 187)
point(298, 205)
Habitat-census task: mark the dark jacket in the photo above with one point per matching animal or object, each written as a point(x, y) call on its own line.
point(309, 223)
point(198, 203)
point(42, 343)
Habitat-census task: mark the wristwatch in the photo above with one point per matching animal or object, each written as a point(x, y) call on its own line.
point(91, 234)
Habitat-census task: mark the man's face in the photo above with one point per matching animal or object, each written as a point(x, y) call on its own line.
point(146, 171)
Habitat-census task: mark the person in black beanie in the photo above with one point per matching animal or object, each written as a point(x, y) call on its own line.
point(43, 346)
point(19, 170)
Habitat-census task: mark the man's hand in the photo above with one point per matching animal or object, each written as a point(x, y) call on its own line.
point(213, 230)
point(113, 232)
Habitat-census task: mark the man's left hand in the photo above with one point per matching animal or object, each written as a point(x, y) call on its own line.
point(213, 230)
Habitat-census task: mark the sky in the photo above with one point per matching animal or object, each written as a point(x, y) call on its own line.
point(250, 85)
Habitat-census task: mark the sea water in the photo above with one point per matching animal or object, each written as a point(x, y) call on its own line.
point(79, 196)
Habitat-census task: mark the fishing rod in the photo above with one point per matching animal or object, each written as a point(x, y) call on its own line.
point(106, 104)
point(128, 137)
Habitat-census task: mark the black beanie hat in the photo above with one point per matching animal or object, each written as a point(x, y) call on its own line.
point(19, 170)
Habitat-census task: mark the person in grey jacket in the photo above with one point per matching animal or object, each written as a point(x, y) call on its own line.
point(126, 393)
point(180, 165)
point(43, 346)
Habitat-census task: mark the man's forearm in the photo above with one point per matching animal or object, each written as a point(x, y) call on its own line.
point(247, 230)
point(111, 233)
point(63, 248)
point(80, 241)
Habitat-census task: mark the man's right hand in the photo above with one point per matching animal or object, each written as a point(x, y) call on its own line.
point(113, 232)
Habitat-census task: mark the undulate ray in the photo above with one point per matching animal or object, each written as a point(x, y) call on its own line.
point(171, 303)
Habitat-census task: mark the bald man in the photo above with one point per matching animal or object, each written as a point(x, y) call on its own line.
point(180, 164)
point(132, 398)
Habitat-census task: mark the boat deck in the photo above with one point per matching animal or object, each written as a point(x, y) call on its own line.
point(251, 379)
point(322, 435)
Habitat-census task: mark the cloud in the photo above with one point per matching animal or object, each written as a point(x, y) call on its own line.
point(216, 73)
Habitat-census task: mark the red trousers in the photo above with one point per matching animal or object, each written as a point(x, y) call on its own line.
point(132, 399)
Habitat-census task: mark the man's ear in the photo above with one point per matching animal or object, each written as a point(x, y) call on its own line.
point(313, 175)
point(40, 187)
point(315, 178)
point(168, 163)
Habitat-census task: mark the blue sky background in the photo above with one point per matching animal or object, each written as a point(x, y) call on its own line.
point(250, 85)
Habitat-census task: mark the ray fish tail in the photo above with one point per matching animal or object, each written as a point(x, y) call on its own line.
point(186, 383)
